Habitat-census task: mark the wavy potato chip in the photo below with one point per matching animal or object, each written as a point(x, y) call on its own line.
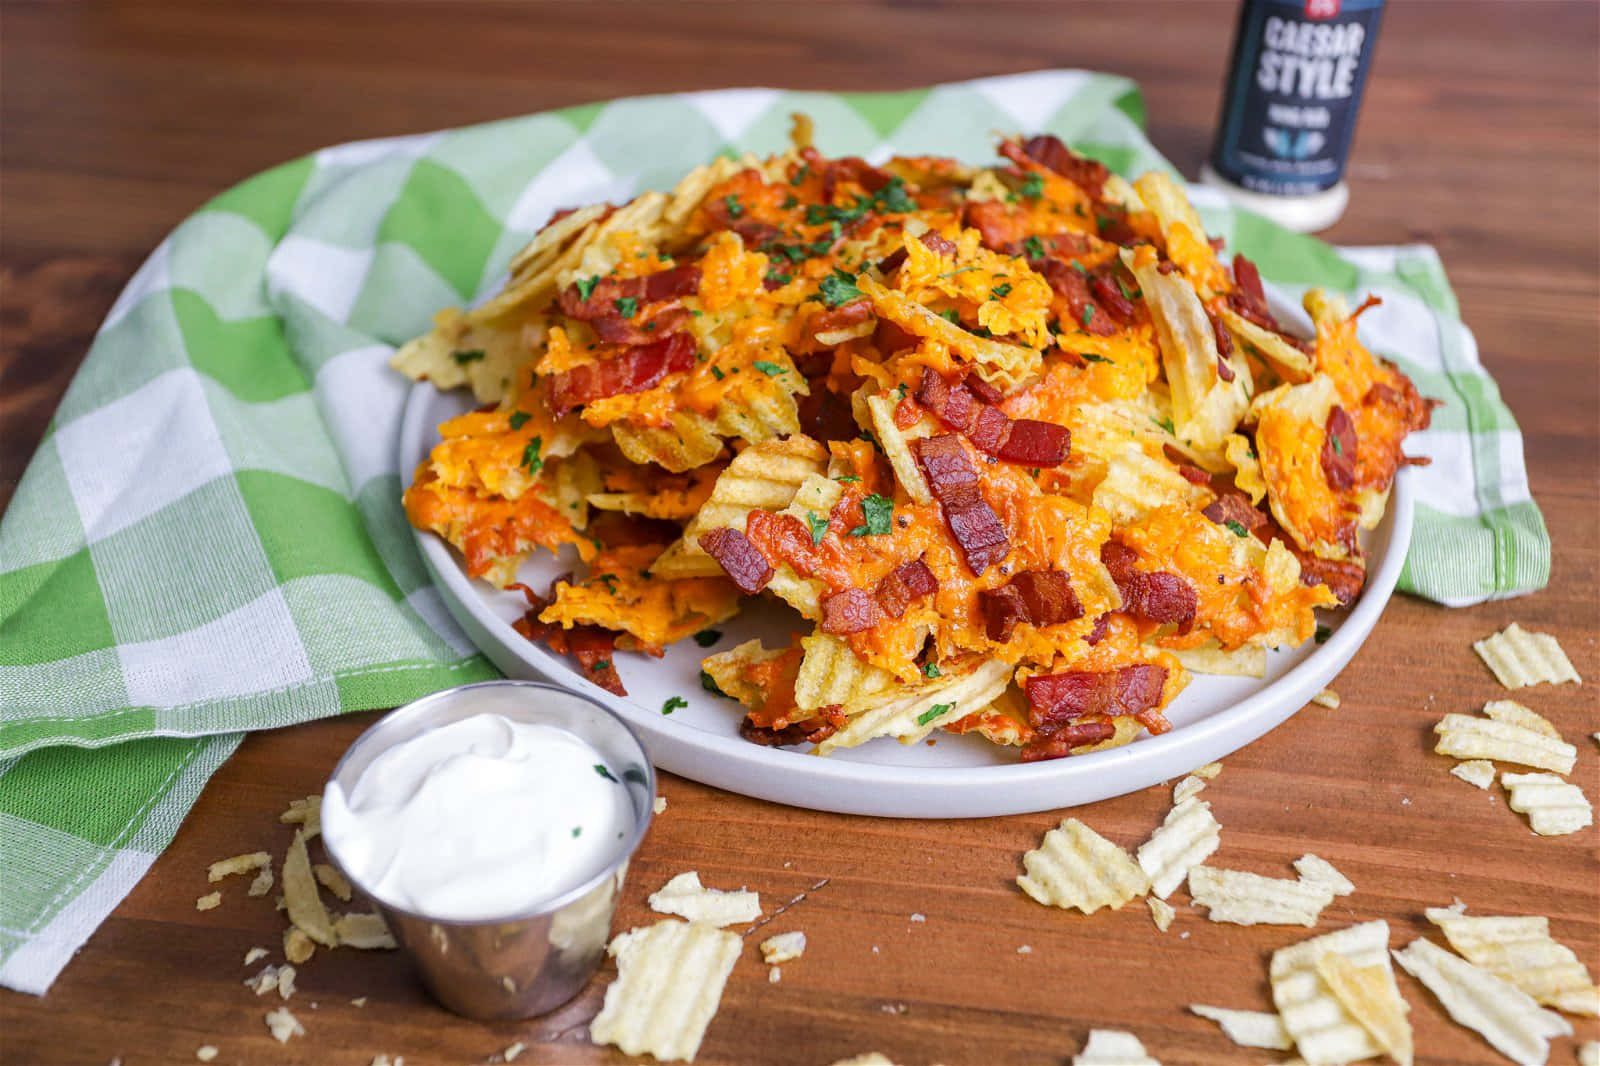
point(730, 670)
point(1319, 871)
point(832, 674)
point(1190, 786)
point(1076, 868)
point(1137, 485)
point(1589, 1053)
point(1241, 898)
point(1005, 366)
point(686, 897)
point(918, 712)
point(1465, 736)
point(1370, 996)
point(669, 984)
point(1248, 1028)
point(1186, 838)
point(1112, 1047)
point(1210, 658)
point(1520, 950)
point(1324, 1031)
point(1519, 658)
point(690, 441)
point(896, 443)
point(1294, 365)
point(1502, 1014)
point(1290, 421)
point(300, 893)
point(1554, 807)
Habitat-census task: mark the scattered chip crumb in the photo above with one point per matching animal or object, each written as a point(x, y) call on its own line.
point(297, 947)
point(1189, 786)
point(359, 1001)
point(1502, 1014)
point(1184, 935)
point(1476, 772)
point(263, 982)
point(1519, 949)
point(282, 1024)
point(893, 1008)
point(1517, 658)
point(1248, 1028)
point(1075, 867)
point(1589, 1050)
point(686, 897)
point(365, 931)
point(209, 901)
point(1554, 807)
point(1209, 771)
point(385, 1060)
point(511, 1052)
point(1241, 898)
point(1327, 698)
point(238, 864)
point(286, 976)
point(644, 1013)
point(1161, 912)
point(205, 1052)
point(254, 955)
point(262, 884)
point(332, 880)
point(1025, 949)
point(1509, 732)
point(916, 917)
point(1322, 1025)
point(870, 1058)
point(774, 975)
point(306, 813)
point(659, 805)
point(783, 947)
point(1111, 1047)
point(1321, 872)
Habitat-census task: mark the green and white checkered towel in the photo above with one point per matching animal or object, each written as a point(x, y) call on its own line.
point(210, 539)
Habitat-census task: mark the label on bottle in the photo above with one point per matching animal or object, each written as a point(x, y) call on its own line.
point(1293, 92)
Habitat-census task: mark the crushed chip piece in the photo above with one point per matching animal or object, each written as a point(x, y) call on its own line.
point(263, 982)
point(262, 883)
point(283, 1025)
point(1327, 698)
point(1501, 739)
point(206, 1052)
point(1112, 1047)
point(512, 1051)
point(1323, 1030)
point(1370, 996)
point(1242, 898)
point(359, 1001)
point(209, 901)
point(1475, 772)
point(300, 893)
point(669, 984)
point(1209, 771)
point(1515, 713)
point(306, 813)
point(1502, 1014)
point(783, 947)
point(369, 932)
point(238, 864)
point(774, 975)
point(870, 1058)
point(1161, 912)
point(1518, 658)
point(1248, 1028)
point(1589, 1053)
point(332, 880)
point(1320, 871)
point(1186, 838)
point(1076, 867)
point(1519, 949)
point(255, 955)
point(686, 897)
point(297, 947)
point(1187, 788)
point(286, 976)
point(1554, 807)
point(659, 805)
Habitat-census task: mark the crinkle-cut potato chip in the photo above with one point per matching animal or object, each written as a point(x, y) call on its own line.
point(1005, 366)
point(1320, 871)
point(912, 717)
point(1136, 485)
point(1210, 658)
point(1190, 786)
point(1520, 949)
point(1370, 996)
point(367, 932)
point(656, 612)
point(1186, 838)
point(1292, 364)
point(730, 670)
point(1241, 898)
point(300, 893)
point(1589, 1053)
point(686, 897)
point(1205, 408)
point(689, 442)
point(1515, 713)
point(1248, 1028)
point(784, 947)
point(896, 445)
point(1161, 912)
point(1518, 658)
point(669, 984)
point(306, 813)
point(1166, 199)
point(1290, 428)
point(693, 186)
point(1324, 1032)
point(831, 673)
point(1554, 807)
point(1465, 736)
point(1112, 1047)
point(1075, 867)
point(237, 864)
point(1475, 772)
point(1502, 1014)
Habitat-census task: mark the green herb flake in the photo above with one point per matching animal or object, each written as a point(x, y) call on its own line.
point(789, 201)
point(930, 670)
point(1079, 267)
point(1090, 357)
point(879, 514)
point(627, 306)
point(577, 831)
point(1033, 248)
point(1166, 424)
point(769, 369)
point(599, 665)
point(933, 712)
point(1338, 448)
point(1088, 313)
point(709, 683)
point(951, 315)
point(1127, 293)
point(1238, 528)
point(707, 637)
point(530, 455)
point(839, 288)
point(735, 208)
point(717, 373)
point(819, 526)
point(1322, 635)
point(779, 278)
point(801, 174)
point(673, 703)
point(600, 768)
point(585, 287)
point(1000, 292)
point(1033, 187)
point(848, 479)
point(471, 355)
point(519, 419)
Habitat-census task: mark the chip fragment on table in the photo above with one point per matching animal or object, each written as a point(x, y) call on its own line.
point(1075, 867)
point(1501, 1013)
point(1519, 658)
point(670, 978)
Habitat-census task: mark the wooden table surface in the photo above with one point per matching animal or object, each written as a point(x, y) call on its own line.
point(1480, 135)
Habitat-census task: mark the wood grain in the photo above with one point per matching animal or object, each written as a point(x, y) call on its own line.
point(1481, 135)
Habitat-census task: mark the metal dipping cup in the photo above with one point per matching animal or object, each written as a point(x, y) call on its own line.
point(532, 961)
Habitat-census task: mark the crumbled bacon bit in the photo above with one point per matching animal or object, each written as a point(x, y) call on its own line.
point(1343, 577)
point(1155, 596)
point(1048, 151)
point(844, 316)
point(1059, 745)
point(942, 245)
point(889, 338)
point(903, 584)
point(741, 560)
point(1055, 699)
point(850, 610)
point(1191, 473)
point(595, 650)
point(953, 480)
point(635, 370)
point(1224, 348)
point(1339, 450)
point(1235, 507)
point(1002, 610)
point(1166, 266)
point(983, 390)
point(1037, 597)
point(1016, 440)
point(1105, 290)
point(1098, 633)
point(601, 302)
point(1248, 297)
point(999, 228)
point(1075, 303)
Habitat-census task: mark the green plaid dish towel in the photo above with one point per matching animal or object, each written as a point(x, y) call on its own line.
point(210, 538)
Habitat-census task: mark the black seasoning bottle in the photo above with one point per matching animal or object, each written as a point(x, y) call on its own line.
point(1289, 107)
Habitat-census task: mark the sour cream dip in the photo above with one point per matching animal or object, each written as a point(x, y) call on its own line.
point(482, 818)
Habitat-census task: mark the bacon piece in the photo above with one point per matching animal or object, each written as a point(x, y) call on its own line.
point(1016, 440)
point(1339, 450)
point(1037, 597)
point(783, 537)
point(646, 327)
point(1059, 745)
point(1248, 297)
point(1110, 297)
point(1073, 289)
point(1066, 245)
point(1002, 610)
point(1098, 633)
point(635, 370)
point(741, 560)
point(903, 584)
point(844, 316)
point(646, 288)
point(1155, 596)
point(982, 389)
point(1111, 222)
point(1048, 151)
point(595, 650)
point(1224, 348)
point(852, 610)
point(999, 228)
point(1343, 577)
point(942, 245)
point(1191, 473)
point(950, 402)
point(1034, 443)
point(889, 338)
point(1055, 699)
point(825, 415)
point(892, 262)
point(1235, 507)
point(953, 481)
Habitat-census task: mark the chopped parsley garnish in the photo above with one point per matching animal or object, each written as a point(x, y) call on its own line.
point(627, 306)
point(519, 419)
point(471, 355)
point(1338, 448)
point(879, 514)
point(707, 637)
point(1127, 293)
point(1322, 635)
point(801, 174)
point(610, 582)
point(789, 201)
point(577, 831)
point(819, 526)
point(709, 683)
point(951, 315)
point(839, 288)
point(1166, 424)
point(1001, 291)
point(1033, 248)
point(600, 664)
point(530, 455)
point(1032, 187)
point(1238, 528)
point(673, 703)
point(930, 670)
point(1079, 267)
point(778, 277)
point(735, 208)
point(600, 768)
point(847, 479)
point(957, 270)
point(717, 373)
point(894, 199)
point(1088, 313)
point(1092, 358)
point(585, 286)
point(900, 390)
point(769, 369)
point(933, 712)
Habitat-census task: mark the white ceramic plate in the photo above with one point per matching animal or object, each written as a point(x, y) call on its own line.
point(957, 777)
